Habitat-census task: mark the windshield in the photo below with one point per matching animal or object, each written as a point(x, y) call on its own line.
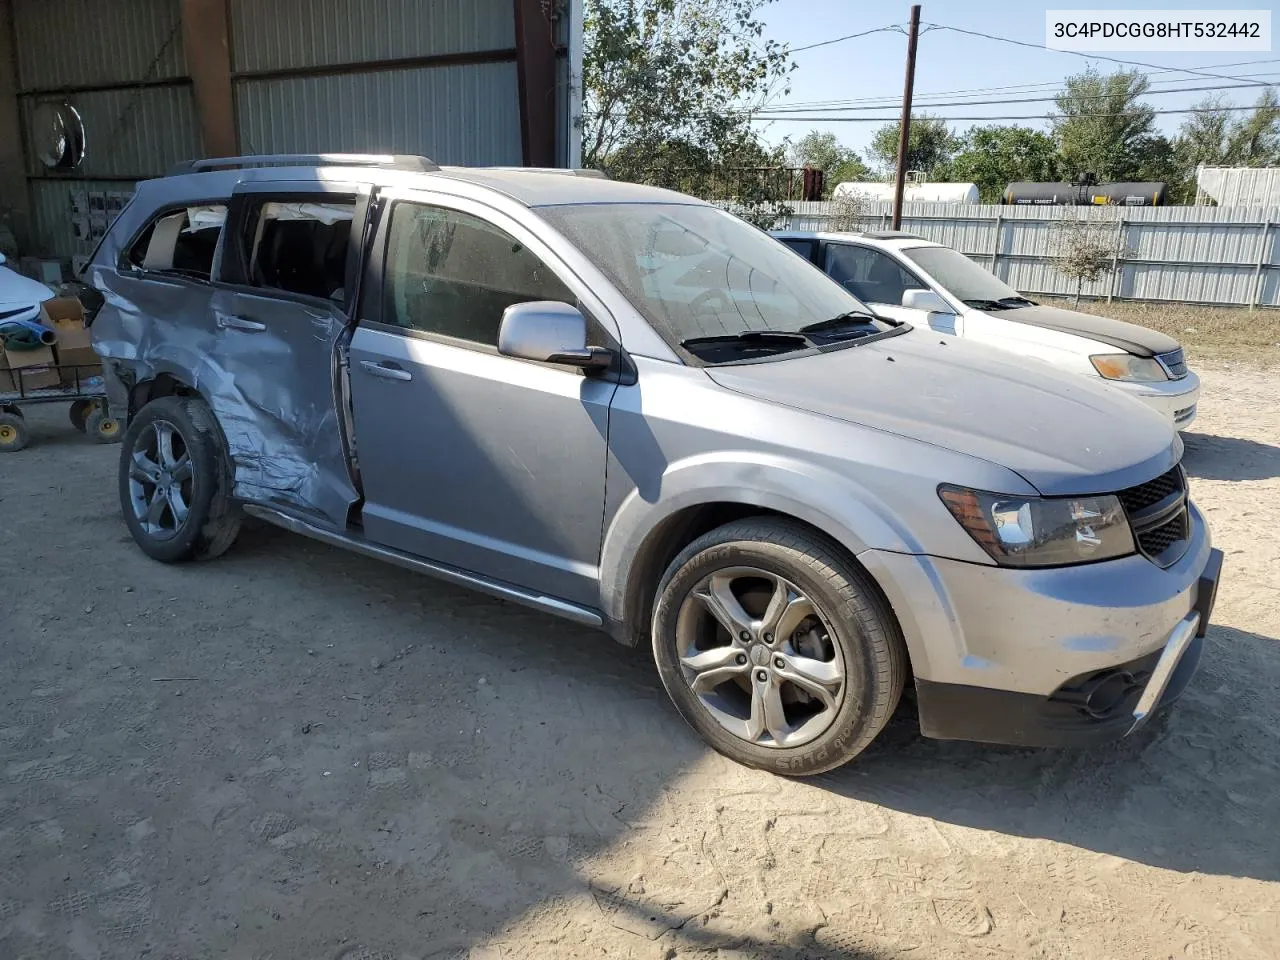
point(696, 271)
point(960, 276)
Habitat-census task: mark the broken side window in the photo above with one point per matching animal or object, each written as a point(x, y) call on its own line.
point(180, 241)
point(300, 246)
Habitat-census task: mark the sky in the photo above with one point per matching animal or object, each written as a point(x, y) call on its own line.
point(872, 66)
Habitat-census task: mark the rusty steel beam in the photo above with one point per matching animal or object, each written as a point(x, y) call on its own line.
point(207, 47)
point(536, 71)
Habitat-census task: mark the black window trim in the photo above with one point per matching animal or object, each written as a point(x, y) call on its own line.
point(242, 200)
point(372, 308)
point(126, 267)
point(884, 253)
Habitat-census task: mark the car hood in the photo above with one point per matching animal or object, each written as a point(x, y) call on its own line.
point(1059, 431)
point(19, 291)
point(1129, 337)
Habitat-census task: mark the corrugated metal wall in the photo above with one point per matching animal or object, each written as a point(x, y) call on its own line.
point(303, 88)
point(1211, 255)
point(322, 33)
point(456, 114)
point(120, 63)
point(308, 75)
point(82, 43)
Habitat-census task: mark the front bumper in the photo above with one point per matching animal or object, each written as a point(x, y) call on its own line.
point(1096, 708)
point(1175, 400)
point(1052, 656)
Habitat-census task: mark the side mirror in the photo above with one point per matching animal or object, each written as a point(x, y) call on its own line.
point(925, 300)
point(549, 332)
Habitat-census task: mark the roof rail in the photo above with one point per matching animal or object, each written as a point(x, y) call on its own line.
point(395, 162)
point(562, 171)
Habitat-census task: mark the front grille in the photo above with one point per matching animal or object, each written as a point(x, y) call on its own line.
point(1175, 363)
point(1185, 414)
point(1144, 495)
point(1156, 541)
point(1157, 512)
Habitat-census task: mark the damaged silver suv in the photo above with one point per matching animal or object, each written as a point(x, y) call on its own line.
point(626, 407)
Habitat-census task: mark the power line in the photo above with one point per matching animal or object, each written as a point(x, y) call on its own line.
point(979, 103)
point(892, 28)
point(1087, 56)
point(1025, 116)
point(889, 99)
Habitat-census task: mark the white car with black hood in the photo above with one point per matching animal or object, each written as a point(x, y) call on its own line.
point(905, 277)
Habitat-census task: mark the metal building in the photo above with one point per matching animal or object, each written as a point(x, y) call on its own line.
point(154, 82)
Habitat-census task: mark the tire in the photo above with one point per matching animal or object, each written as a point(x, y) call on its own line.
point(211, 520)
point(101, 427)
point(79, 413)
point(14, 434)
point(851, 624)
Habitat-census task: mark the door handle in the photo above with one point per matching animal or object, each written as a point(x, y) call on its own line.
point(241, 323)
point(385, 371)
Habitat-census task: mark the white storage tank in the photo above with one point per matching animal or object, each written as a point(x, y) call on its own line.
point(927, 192)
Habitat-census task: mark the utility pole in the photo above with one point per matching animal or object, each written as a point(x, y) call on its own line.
point(904, 135)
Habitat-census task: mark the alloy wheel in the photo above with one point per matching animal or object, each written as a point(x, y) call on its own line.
point(160, 480)
point(761, 657)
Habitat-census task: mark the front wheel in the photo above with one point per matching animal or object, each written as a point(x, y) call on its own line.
point(175, 482)
point(777, 649)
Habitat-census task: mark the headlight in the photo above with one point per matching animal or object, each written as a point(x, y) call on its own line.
point(1125, 366)
point(1033, 532)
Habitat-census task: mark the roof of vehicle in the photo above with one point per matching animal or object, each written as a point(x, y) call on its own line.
point(530, 186)
point(887, 238)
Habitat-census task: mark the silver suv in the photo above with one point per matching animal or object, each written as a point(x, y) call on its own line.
point(626, 407)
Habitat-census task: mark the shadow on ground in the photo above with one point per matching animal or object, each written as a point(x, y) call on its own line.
point(298, 752)
point(1209, 759)
point(1212, 457)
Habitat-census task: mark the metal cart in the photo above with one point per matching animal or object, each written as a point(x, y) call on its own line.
point(86, 393)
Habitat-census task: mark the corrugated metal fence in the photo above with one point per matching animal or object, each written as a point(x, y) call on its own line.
point(1227, 256)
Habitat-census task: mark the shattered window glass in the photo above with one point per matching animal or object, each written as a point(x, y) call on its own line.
point(454, 274)
point(181, 241)
point(301, 247)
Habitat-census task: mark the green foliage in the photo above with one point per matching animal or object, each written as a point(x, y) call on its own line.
point(994, 157)
point(930, 147)
point(1213, 136)
point(824, 152)
point(658, 73)
point(1085, 249)
point(1102, 127)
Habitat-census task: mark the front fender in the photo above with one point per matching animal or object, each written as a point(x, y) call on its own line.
point(833, 503)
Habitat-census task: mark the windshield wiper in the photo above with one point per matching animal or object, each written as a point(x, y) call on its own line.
point(840, 321)
point(987, 304)
point(1016, 302)
point(769, 338)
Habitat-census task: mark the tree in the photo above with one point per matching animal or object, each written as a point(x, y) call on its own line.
point(1102, 127)
point(994, 157)
point(1084, 249)
point(930, 147)
point(658, 72)
point(1214, 137)
point(824, 152)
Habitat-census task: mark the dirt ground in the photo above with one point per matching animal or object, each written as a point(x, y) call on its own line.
point(297, 753)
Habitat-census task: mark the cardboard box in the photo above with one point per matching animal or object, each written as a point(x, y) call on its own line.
point(65, 317)
point(74, 349)
point(77, 361)
point(34, 369)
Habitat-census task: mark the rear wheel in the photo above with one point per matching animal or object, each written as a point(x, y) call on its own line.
point(175, 482)
point(13, 432)
point(776, 648)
